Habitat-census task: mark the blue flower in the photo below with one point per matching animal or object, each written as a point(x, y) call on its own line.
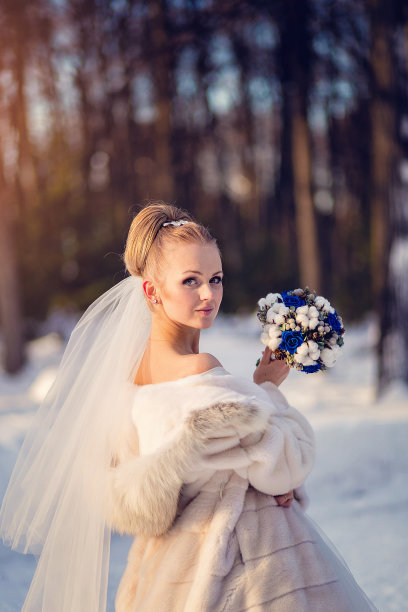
point(290, 341)
point(333, 321)
point(292, 300)
point(312, 368)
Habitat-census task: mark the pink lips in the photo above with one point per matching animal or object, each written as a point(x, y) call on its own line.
point(206, 311)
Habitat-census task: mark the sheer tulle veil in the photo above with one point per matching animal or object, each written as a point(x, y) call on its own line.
point(55, 503)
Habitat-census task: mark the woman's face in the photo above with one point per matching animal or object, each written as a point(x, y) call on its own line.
point(191, 289)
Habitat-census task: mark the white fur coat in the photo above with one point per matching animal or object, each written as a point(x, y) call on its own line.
point(193, 427)
point(195, 483)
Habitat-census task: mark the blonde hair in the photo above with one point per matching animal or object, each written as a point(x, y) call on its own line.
point(147, 236)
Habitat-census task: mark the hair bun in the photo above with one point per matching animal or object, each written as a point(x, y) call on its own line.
point(145, 242)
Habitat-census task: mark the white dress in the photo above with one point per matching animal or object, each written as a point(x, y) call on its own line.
point(228, 546)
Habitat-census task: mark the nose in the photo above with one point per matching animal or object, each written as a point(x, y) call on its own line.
point(206, 292)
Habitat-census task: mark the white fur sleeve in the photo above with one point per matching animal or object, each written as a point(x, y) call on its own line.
point(276, 456)
point(275, 394)
point(283, 456)
point(144, 490)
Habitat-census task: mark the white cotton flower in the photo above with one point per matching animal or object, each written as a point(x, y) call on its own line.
point(302, 310)
point(274, 343)
point(314, 354)
point(304, 359)
point(328, 356)
point(302, 320)
point(313, 312)
point(303, 349)
point(270, 316)
point(313, 323)
point(309, 361)
point(314, 351)
point(279, 319)
point(274, 330)
point(272, 297)
point(262, 303)
point(280, 309)
point(297, 291)
point(322, 304)
point(313, 346)
point(265, 338)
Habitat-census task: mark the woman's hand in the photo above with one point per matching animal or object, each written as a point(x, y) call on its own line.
point(285, 500)
point(273, 371)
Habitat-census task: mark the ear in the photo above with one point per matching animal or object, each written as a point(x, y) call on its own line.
point(149, 290)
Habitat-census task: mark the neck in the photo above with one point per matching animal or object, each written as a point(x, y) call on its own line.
point(180, 339)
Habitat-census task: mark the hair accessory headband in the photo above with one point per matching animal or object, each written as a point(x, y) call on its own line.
point(176, 223)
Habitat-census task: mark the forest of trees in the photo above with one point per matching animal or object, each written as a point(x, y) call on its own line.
point(280, 124)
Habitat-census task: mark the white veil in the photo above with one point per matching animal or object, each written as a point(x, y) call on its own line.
point(55, 504)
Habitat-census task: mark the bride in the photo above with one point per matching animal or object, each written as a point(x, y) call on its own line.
point(143, 434)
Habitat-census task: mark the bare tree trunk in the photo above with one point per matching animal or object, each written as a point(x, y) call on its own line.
point(162, 68)
point(285, 213)
point(13, 356)
point(251, 205)
point(296, 57)
point(309, 268)
point(26, 178)
point(382, 179)
point(382, 130)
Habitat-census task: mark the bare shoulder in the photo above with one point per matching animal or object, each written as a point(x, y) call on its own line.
point(197, 364)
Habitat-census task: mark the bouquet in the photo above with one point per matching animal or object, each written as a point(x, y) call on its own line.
point(301, 328)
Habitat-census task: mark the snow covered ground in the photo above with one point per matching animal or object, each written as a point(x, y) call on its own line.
point(358, 489)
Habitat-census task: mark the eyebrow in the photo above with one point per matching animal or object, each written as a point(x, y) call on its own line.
point(200, 273)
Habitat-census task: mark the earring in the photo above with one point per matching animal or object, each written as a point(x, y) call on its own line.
point(155, 301)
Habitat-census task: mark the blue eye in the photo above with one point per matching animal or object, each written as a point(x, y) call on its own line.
point(216, 280)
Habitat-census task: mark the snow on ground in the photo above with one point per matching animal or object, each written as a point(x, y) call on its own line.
point(358, 488)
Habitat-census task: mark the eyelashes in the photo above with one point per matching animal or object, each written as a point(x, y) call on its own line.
point(218, 279)
point(215, 280)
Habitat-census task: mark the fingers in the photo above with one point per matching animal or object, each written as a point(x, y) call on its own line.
point(266, 356)
point(285, 496)
point(285, 500)
point(280, 365)
point(287, 503)
point(270, 369)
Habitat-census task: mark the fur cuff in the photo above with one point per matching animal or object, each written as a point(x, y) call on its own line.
point(244, 418)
